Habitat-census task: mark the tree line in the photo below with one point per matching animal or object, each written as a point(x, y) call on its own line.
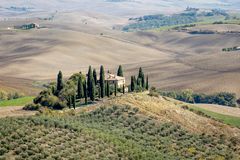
point(222, 98)
point(81, 88)
point(230, 49)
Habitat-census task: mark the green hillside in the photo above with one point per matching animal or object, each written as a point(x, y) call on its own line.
point(107, 132)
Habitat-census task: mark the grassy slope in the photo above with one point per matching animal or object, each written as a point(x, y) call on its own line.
point(227, 119)
point(16, 102)
point(166, 109)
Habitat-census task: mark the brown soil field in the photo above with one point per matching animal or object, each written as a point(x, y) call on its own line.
point(72, 42)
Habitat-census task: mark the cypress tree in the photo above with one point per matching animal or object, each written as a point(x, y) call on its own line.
point(99, 91)
point(89, 80)
point(70, 102)
point(74, 101)
point(108, 89)
point(95, 76)
point(93, 91)
point(85, 92)
point(132, 84)
point(141, 77)
point(139, 84)
point(147, 85)
point(80, 91)
point(115, 89)
point(143, 82)
point(102, 81)
point(53, 89)
point(123, 89)
point(120, 71)
point(91, 84)
point(59, 82)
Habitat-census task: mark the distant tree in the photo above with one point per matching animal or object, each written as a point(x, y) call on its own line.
point(95, 76)
point(120, 71)
point(108, 89)
point(85, 92)
point(123, 89)
point(147, 83)
point(80, 91)
point(59, 82)
point(102, 81)
point(141, 77)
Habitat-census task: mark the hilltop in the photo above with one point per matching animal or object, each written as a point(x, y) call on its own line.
point(132, 126)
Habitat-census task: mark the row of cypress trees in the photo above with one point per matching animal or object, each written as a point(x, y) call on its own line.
point(139, 83)
point(102, 85)
point(87, 88)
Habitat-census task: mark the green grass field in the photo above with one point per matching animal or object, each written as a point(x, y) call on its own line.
point(16, 102)
point(230, 120)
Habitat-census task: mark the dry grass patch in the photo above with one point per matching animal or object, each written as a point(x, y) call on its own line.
point(170, 111)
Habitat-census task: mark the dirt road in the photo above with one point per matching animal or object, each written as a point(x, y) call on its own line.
point(14, 111)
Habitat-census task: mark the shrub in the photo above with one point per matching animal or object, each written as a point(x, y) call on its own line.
point(32, 107)
point(47, 99)
point(3, 151)
point(10, 95)
point(3, 95)
point(153, 92)
point(14, 95)
point(185, 107)
point(238, 101)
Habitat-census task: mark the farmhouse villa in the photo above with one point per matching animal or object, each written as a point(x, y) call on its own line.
point(112, 79)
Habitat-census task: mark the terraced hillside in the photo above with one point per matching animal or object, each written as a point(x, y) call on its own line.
point(134, 126)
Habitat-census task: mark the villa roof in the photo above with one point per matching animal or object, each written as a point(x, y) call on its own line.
point(113, 77)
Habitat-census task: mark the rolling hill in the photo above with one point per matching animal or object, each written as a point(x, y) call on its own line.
point(173, 60)
point(81, 35)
